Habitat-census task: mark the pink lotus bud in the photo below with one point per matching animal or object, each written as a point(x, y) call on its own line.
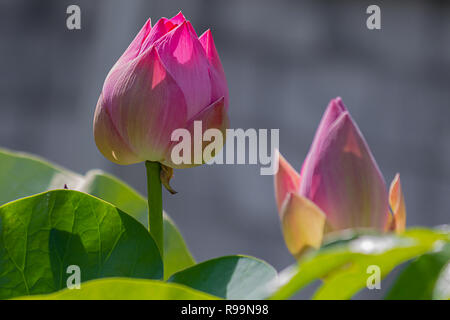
point(341, 178)
point(166, 79)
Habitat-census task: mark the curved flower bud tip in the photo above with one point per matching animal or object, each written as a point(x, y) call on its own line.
point(166, 175)
point(397, 219)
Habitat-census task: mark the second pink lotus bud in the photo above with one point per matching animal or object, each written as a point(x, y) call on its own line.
point(339, 187)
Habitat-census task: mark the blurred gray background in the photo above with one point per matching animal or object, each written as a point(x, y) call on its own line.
point(284, 61)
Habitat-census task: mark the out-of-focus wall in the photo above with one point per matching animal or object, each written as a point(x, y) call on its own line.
point(284, 61)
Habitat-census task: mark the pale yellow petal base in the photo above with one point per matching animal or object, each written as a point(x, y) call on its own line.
point(303, 224)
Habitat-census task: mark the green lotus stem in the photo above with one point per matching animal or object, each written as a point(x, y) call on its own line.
point(155, 210)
